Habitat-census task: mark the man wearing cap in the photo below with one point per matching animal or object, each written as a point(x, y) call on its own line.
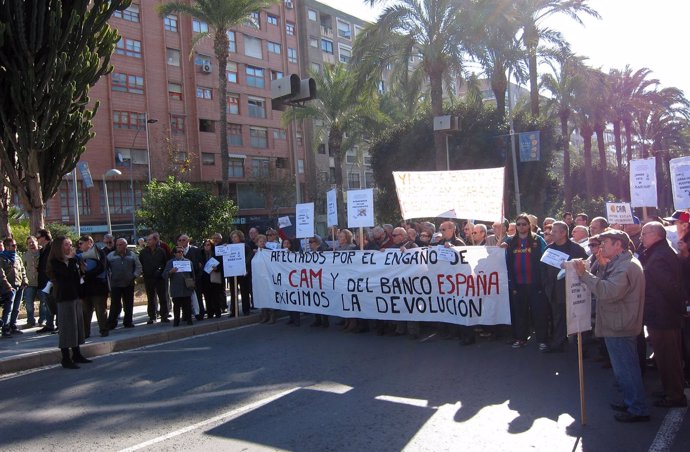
point(682, 222)
point(620, 290)
point(663, 311)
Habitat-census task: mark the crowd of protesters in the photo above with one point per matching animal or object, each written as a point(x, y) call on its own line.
point(639, 274)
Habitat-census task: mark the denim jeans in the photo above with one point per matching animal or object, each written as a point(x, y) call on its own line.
point(626, 368)
point(6, 299)
point(30, 293)
point(16, 301)
point(44, 311)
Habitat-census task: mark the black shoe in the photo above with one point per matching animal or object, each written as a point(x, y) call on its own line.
point(176, 323)
point(150, 322)
point(629, 417)
point(46, 329)
point(16, 331)
point(165, 320)
point(105, 333)
point(129, 325)
point(81, 359)
point(69, 364)
point(6, 333)
point(199, 318)
point(189, 322)
point(31, 324)
point(621, 407)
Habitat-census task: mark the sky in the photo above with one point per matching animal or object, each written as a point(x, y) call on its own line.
point(640, 33)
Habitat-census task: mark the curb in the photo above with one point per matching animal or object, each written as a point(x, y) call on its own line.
point(33, 360)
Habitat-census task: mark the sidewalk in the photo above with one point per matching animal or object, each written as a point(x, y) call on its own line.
point(30, 350)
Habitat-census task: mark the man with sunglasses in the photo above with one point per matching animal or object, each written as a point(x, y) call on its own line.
point(13, 269)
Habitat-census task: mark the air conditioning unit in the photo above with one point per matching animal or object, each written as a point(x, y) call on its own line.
point(206, 67)
point(288, 4)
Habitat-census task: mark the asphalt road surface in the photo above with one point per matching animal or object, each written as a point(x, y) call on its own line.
point(276, 387)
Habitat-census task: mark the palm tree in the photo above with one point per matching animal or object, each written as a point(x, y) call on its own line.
point(530, 15)
point(220, 15)
point(493, 43)
point(563, 83)
point(345, 112)
point(597, 82)
point(627, 91)
point(416, 36)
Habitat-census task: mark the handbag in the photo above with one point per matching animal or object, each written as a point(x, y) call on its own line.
point(189, 283)
point(216, 278)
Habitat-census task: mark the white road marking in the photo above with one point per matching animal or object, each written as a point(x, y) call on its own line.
point(228, 415)
point(668, 429)
point(330, 387)
point(405, 401)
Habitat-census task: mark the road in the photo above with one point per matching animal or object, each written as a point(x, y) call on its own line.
point(276, 387)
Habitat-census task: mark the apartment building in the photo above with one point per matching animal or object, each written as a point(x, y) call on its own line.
point(159, 115)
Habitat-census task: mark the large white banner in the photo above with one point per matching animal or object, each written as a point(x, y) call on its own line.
point(680, 182)
point(476, 194)
point(643, 183)
point(415, 285)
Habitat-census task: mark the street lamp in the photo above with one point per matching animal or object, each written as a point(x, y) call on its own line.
point(109, 173)
point(131, 169)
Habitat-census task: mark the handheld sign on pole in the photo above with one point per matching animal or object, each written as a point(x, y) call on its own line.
point(680, 182)
point(619, 213)
point(331, 208)
point(234, 265)
point(643, 183)
point(360, 208)
point(304, 222)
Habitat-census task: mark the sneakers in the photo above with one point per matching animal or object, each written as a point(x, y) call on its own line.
point(543, 347)
point(629, 417)
point(519, 344)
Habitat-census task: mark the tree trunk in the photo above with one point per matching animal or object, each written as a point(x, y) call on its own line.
point(436, 82)
point(5, 228)
point(335, 141)
point(602, 160)
point(532, 42)
point(220, 44)
point(567, 183)
point(499, 85)
point(586, 133)
point(619, 157)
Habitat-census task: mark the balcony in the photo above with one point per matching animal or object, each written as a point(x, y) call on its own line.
point(326, 31)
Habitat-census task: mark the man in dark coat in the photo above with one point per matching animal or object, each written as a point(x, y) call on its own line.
point(663, 311)
point(153, 259)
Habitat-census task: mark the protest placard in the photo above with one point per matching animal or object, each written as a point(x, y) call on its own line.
point(222, 250)
point(331, 208)
point(304, 222)
point(234, 261)
point(554, 257)
point(182, 265)
point(643, 183)
point(578, 302)
point(284, 222)
point(680, 182)
point(360, 208)
point(619, 213)
point(472, 289)
point(211, 263)
point(474, 194)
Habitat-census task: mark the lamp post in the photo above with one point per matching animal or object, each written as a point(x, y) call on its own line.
point(109, 173)
point(131, 169)
point(148, 150)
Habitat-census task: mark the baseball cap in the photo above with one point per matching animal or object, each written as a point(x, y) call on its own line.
point(679, 215)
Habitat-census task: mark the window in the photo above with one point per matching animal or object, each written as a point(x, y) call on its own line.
point(344, 54)
point(281, 162)
point(233, 104)
point(128, 47)
point(279, 134)
point(232, 42)
point(128, 83)
point(255, 20)
point(207, 125)
point(299, 138)
point(255, 76)
point(257, 107)
point(208, 159)
point(67, 199)
point(275, 75)
point(381, 87)
point(274, 47)
point(258, 137)
point(322, 148)
point(236, 168)
point(173, 56)
point(175, 91)
point(170, 23)
point(353, 180)
point(260, 167)
point(199, 26)
point(129, 120)
point(358, 30)
point(201, 59)
point(131, 13)
point(120, 195)
point(292, 55)
point(249, 198)
point(369, 181)
point(180, 156)
point(315, 67)
point(312, 15)
point(313, 42)
point(327, 46)
point(234, 134)
point(271, 19)
point(231, 71)
point(204, 93)
point(126, 157)
point(367, 160)
point(290, 28)
point(177, 124)
point(252, 47)
point(344, 30)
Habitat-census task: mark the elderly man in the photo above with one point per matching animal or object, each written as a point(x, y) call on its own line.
point(448, 237)
point(682, 221)
point(620, 290)
point(123, 268)
point(598, 225)
point(664, 309)
point(554, 287)
point(499, 234)
point(479, 235)
point(580, 235)
point(153, 259)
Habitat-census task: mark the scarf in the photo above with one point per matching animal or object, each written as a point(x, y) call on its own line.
point(8, 256)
